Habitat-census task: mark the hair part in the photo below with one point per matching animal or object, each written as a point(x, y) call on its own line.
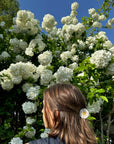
point(68, 125)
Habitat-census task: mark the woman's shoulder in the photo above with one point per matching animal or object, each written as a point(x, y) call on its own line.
point(47, 140)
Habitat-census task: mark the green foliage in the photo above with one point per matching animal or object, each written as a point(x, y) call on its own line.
point(8, 10)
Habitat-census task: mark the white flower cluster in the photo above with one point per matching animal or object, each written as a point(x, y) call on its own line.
point(4, 55)
point(30, 120)
point(25, 70)
point(16, 140)
point(66, 55)
point(6, 82)
point(33, 92)
point(63, 74)
point(110, 69)
point(95, 107)
point(45, 58)
point(72, 18)
point(78, 29)
point(100, 58)
point(29, 107)
point(48, 22)
point(97, 17)
point(2, 24)
point(30, 133)
point(18, 45)
point(112, 50)
point(109, 23)
point(25, 21)
point(45, 75)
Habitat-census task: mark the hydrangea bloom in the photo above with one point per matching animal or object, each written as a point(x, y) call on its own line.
point(30, 120)
point(30, 133)
point(16, 140)
point(48, 22)
point(29, 107)
point(26, 87)
point(97, 24)
point(74, 6)
point(46, 77)
point(45, 58)
point(63, 74)
point(66, 55)
point(100, 58)
point(33, 92)
point(110, 69)
point(95, 107)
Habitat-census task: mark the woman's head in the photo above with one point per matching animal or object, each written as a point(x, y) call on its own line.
point(62, 105)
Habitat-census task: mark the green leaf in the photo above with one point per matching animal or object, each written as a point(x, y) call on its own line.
point(104, 98)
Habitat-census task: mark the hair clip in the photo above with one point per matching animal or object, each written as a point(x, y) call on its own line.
point(84, 113)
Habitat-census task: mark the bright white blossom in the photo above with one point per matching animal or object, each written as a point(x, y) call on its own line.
point(66, 55)
point(16, 140)
point(30, 120)
point(5, 54)
point(29, 51)
point(110, 69)
point(29, 107)
point(33, 92)
point(45, 58)
point(97, 24)
point(100, 58)
point(26, 87)
point(63, 74)
point(48, 22)
point(95, 106)
point(91, 11)
point(30, 133)
point(74, 6)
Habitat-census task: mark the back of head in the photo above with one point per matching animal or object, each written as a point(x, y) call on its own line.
point(68, 100)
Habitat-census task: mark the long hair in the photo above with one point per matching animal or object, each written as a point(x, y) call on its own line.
point(68, 126)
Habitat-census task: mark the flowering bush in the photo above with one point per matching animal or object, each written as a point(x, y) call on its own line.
point(32, 61)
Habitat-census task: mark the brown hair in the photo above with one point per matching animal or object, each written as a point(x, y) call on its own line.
point(68, 100)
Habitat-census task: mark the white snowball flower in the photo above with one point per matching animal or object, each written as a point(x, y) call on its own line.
point(102, 17)
point(81, 44)
point(73, 65)
point(91, 11)
point(110, 69)
point(29, 51)
point(100, 58)
point(2, 24)
point(29, 107)
point(30, 120)
point(26, 87)
point(95, 16)
point(48, 22)
point(45, 58)
point(46, 77)
point(112, 50)
point(74, 6)
point(17, 79)
point(63, 74)
point(95, 107)
point(107, 44)
point(5, 54)
point(33, 92)
point(16, 140)
point(66, 55)
point(30, 133)
point(97, 24)
point(19, 58)
point(75, 58)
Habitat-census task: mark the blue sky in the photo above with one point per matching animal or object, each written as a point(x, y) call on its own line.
point(61, 8)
